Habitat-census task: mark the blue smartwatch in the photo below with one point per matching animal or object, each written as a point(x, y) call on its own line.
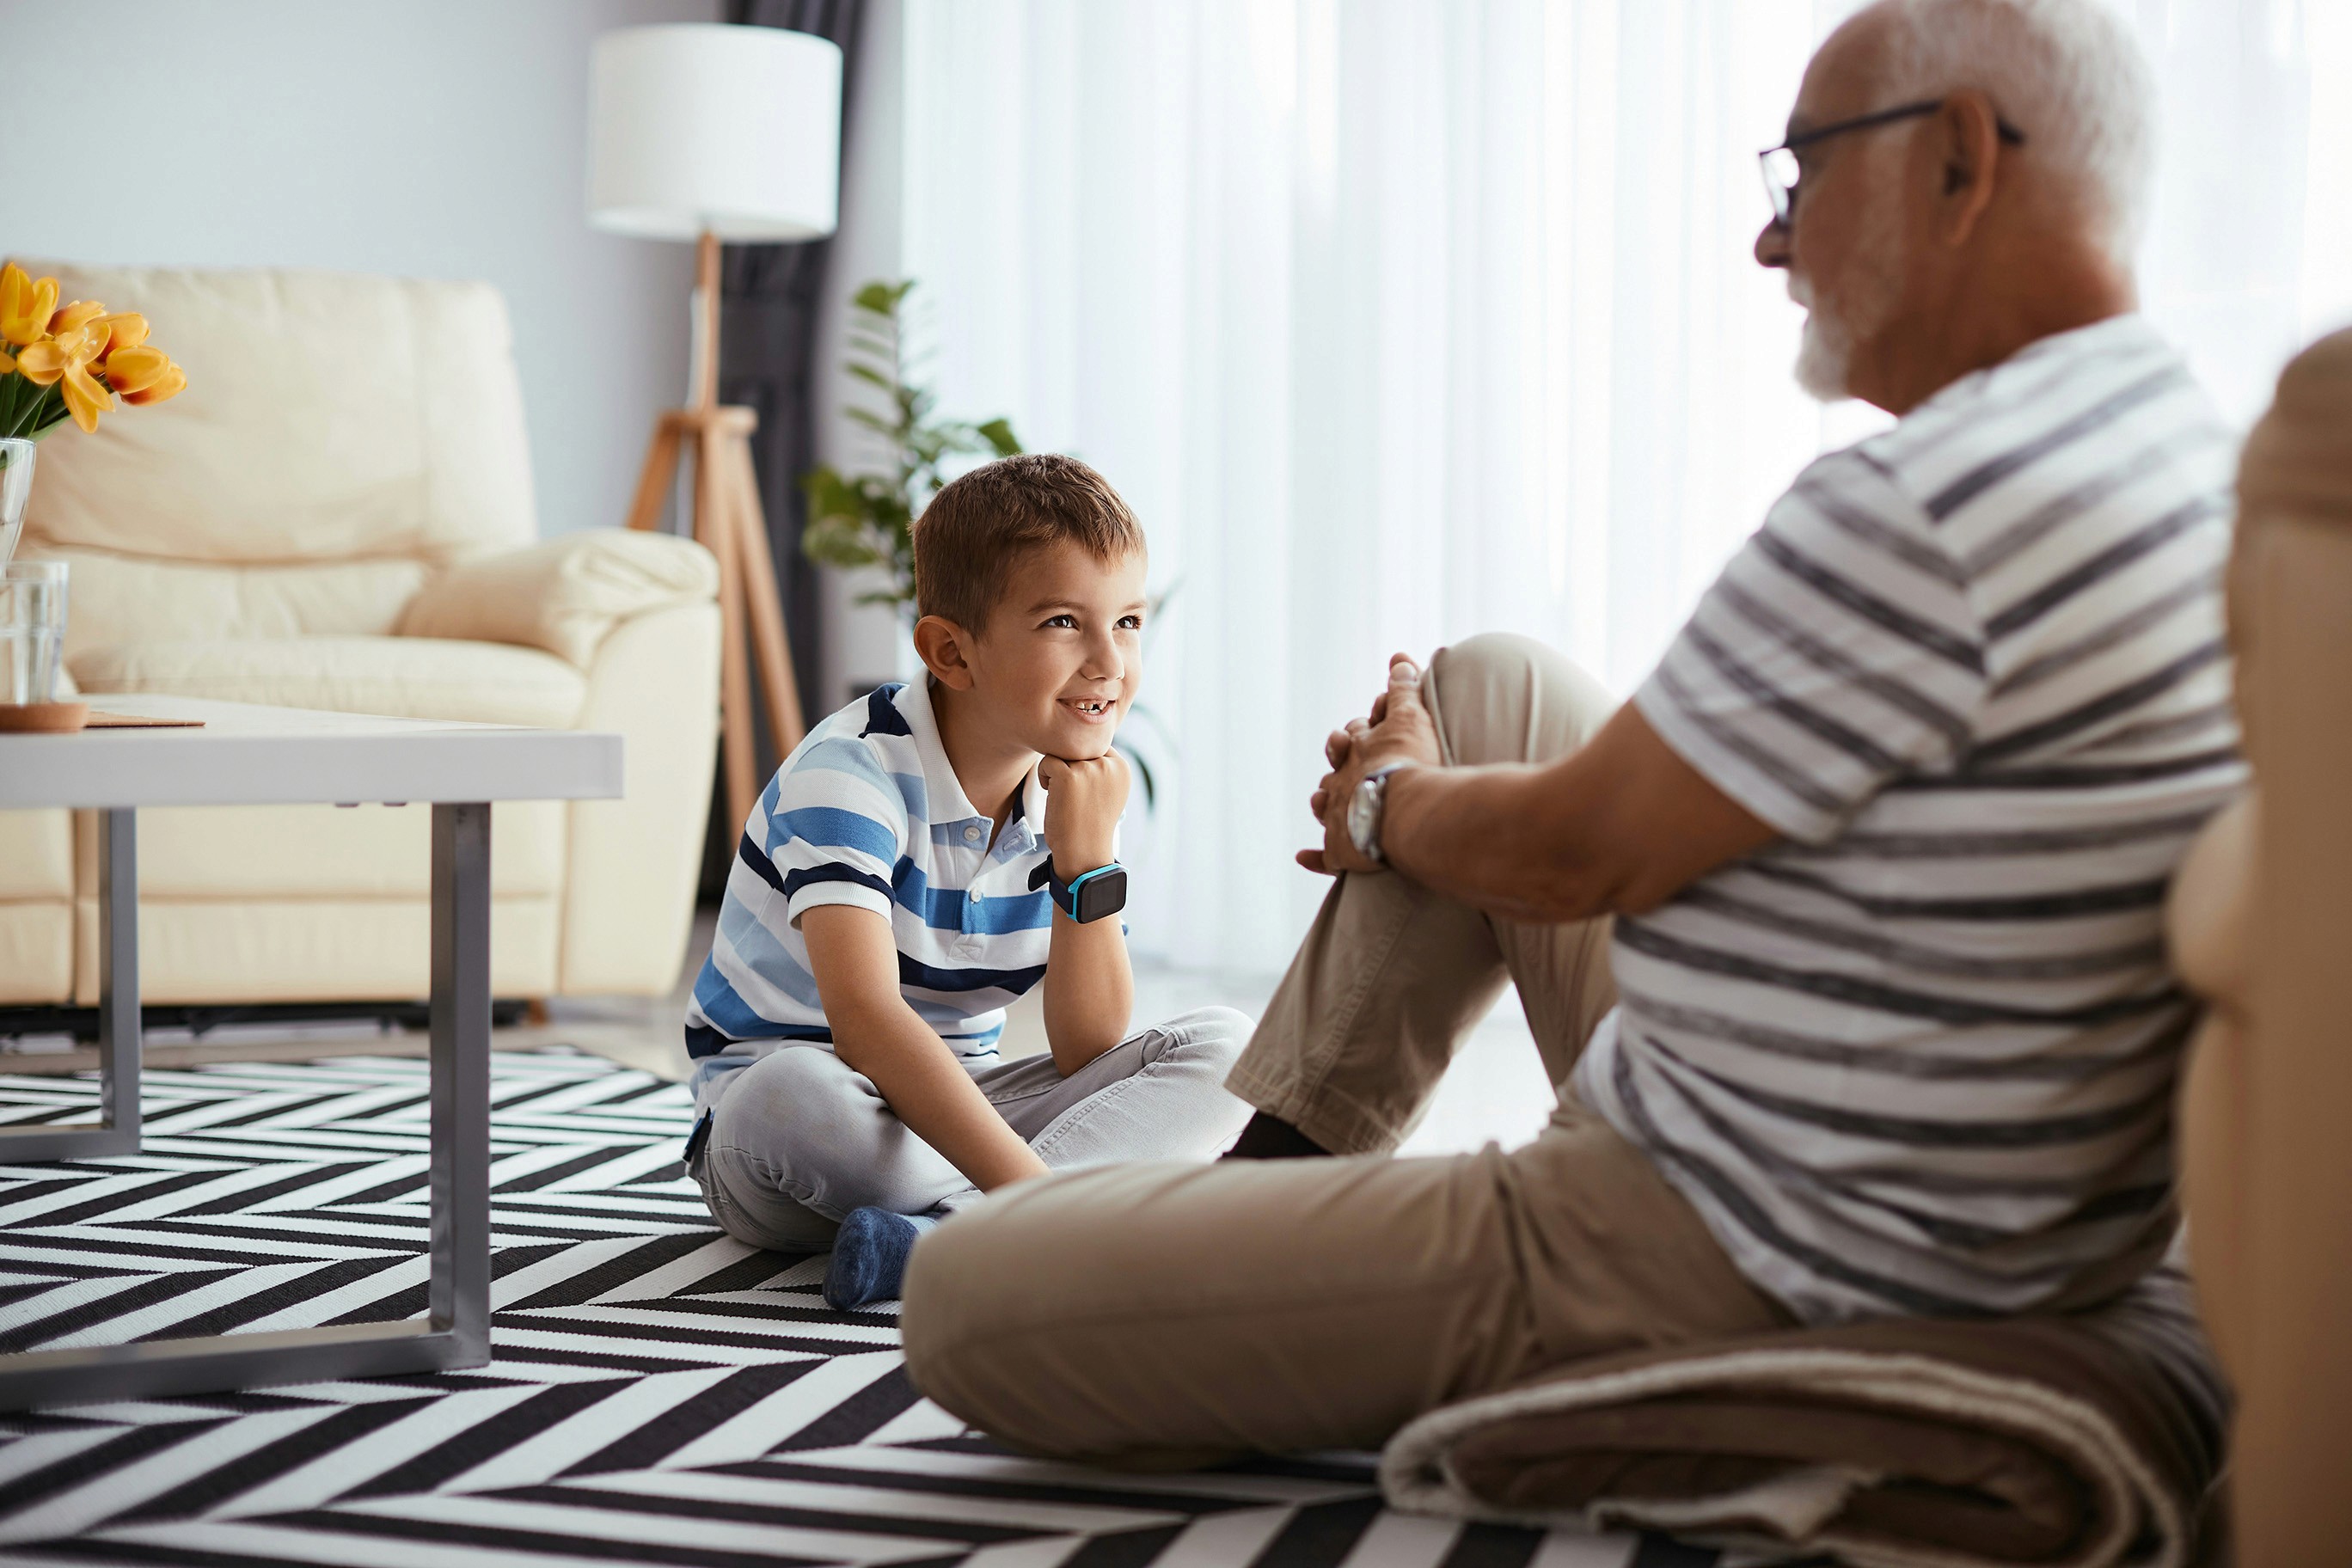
point(1088, 896)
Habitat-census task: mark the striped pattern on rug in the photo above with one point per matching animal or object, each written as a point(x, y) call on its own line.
point(659, 1393)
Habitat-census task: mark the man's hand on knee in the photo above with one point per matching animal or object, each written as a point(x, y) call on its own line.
point(1400, 731)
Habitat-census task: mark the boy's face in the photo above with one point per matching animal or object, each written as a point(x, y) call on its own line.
point(1061, 655)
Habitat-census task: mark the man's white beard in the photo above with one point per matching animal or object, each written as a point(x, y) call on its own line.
point(1874, 288)
point(1825, 352)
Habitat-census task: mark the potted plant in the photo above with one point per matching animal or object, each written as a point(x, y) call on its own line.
point(867, 519)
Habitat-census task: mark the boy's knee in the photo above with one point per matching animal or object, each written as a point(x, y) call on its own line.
point(784, 1088)
point(1212, 1034)
point(1213, 1027)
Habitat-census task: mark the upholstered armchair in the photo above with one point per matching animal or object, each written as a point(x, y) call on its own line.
point(338, 513)
point(2262, 927)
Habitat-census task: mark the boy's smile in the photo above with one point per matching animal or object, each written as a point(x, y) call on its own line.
point(1064, 650)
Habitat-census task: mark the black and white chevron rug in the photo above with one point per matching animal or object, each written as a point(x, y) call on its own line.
point(658, 1394)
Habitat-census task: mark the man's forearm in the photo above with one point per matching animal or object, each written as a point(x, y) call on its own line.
point(1617, 826)
point(931, 1092)
point(1487, 837)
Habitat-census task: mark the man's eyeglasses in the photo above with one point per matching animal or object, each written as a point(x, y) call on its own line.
point(1780, 163)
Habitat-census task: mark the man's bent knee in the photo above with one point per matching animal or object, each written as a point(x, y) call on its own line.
point(1501, 697)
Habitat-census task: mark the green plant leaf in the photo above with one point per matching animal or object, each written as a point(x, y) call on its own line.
point(838, 542)
point(881, 296)
point(998, 434)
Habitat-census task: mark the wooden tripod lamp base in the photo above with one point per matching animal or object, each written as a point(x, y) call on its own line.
point(730, 524)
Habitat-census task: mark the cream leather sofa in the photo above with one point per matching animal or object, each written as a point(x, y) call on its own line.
point(2262, 926)
point(337, 513)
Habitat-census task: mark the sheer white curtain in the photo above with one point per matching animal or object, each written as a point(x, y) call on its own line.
point(1399, 320)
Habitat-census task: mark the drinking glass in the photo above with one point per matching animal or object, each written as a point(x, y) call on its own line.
point(32, 629)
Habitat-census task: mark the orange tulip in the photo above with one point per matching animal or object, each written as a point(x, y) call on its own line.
point(86, 396)
point(72, 318)
point(43, 363)
point(135, 369)
point(126, 330)
point(68, 357)
point(25, 305)
point(173, 382)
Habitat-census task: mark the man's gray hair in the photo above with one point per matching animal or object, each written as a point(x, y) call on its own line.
point(2067, 73)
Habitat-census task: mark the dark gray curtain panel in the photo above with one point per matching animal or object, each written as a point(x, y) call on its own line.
point(767, 355)
point(769, 296)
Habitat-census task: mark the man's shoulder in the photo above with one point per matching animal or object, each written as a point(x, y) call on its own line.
point(1854, 495)
point(1995, 421)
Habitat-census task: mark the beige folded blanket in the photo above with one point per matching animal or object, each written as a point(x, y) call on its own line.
point(2078, 1441)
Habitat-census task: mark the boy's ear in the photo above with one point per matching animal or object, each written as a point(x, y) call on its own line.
point(942, 645)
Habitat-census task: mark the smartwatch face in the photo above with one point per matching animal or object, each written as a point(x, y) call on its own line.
point(1101, 894)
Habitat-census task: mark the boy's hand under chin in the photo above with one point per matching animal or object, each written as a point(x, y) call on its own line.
point(1083, 801)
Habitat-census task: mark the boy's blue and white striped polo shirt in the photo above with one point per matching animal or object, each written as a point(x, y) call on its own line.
point(867, 812)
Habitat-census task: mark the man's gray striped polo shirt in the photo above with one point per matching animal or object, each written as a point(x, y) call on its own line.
point(1918, 1056)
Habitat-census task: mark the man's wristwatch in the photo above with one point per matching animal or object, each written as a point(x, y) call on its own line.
point(1089, 895)
point(1364, 809)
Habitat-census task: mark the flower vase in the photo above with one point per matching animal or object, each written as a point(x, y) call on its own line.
point(15, 489)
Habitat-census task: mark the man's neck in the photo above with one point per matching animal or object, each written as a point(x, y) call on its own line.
point(991, 769)
point(1956, 343)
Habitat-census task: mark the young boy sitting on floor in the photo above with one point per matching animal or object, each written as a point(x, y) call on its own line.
point(927, 855)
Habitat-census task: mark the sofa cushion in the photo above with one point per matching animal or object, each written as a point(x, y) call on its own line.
point(399, 678)
point(565, 596)
point(128, 599)
point(327, 416)
point(35, 855)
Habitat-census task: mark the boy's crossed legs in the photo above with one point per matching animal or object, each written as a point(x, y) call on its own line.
point(800, 1139)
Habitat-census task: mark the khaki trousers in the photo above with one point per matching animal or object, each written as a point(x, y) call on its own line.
point(1157, 1315)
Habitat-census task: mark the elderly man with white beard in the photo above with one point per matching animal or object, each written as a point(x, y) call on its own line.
point(1841, 939)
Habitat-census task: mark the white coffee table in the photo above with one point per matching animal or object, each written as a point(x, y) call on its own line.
point(249, 755)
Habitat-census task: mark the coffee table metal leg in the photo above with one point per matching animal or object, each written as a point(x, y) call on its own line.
point(456, 1332)
point(117, 1132)
point(460, 1293)
point(120, 1037)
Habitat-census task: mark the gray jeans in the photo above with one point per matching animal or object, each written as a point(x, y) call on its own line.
point(799, 1139)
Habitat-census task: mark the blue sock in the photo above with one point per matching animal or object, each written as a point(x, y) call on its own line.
point(869, 1257)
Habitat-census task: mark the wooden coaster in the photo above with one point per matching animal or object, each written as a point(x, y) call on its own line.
point(44, 718)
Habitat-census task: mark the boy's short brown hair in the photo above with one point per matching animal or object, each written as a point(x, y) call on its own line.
point(979, 524)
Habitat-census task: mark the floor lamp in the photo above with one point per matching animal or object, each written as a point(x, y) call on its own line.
point(711, 132)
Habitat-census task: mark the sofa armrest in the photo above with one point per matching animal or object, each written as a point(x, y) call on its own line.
point(565, 596)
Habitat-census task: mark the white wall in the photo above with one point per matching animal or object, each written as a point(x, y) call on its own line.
point(425, 138)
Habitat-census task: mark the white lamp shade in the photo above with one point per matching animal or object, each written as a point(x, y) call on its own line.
point(703, 126)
